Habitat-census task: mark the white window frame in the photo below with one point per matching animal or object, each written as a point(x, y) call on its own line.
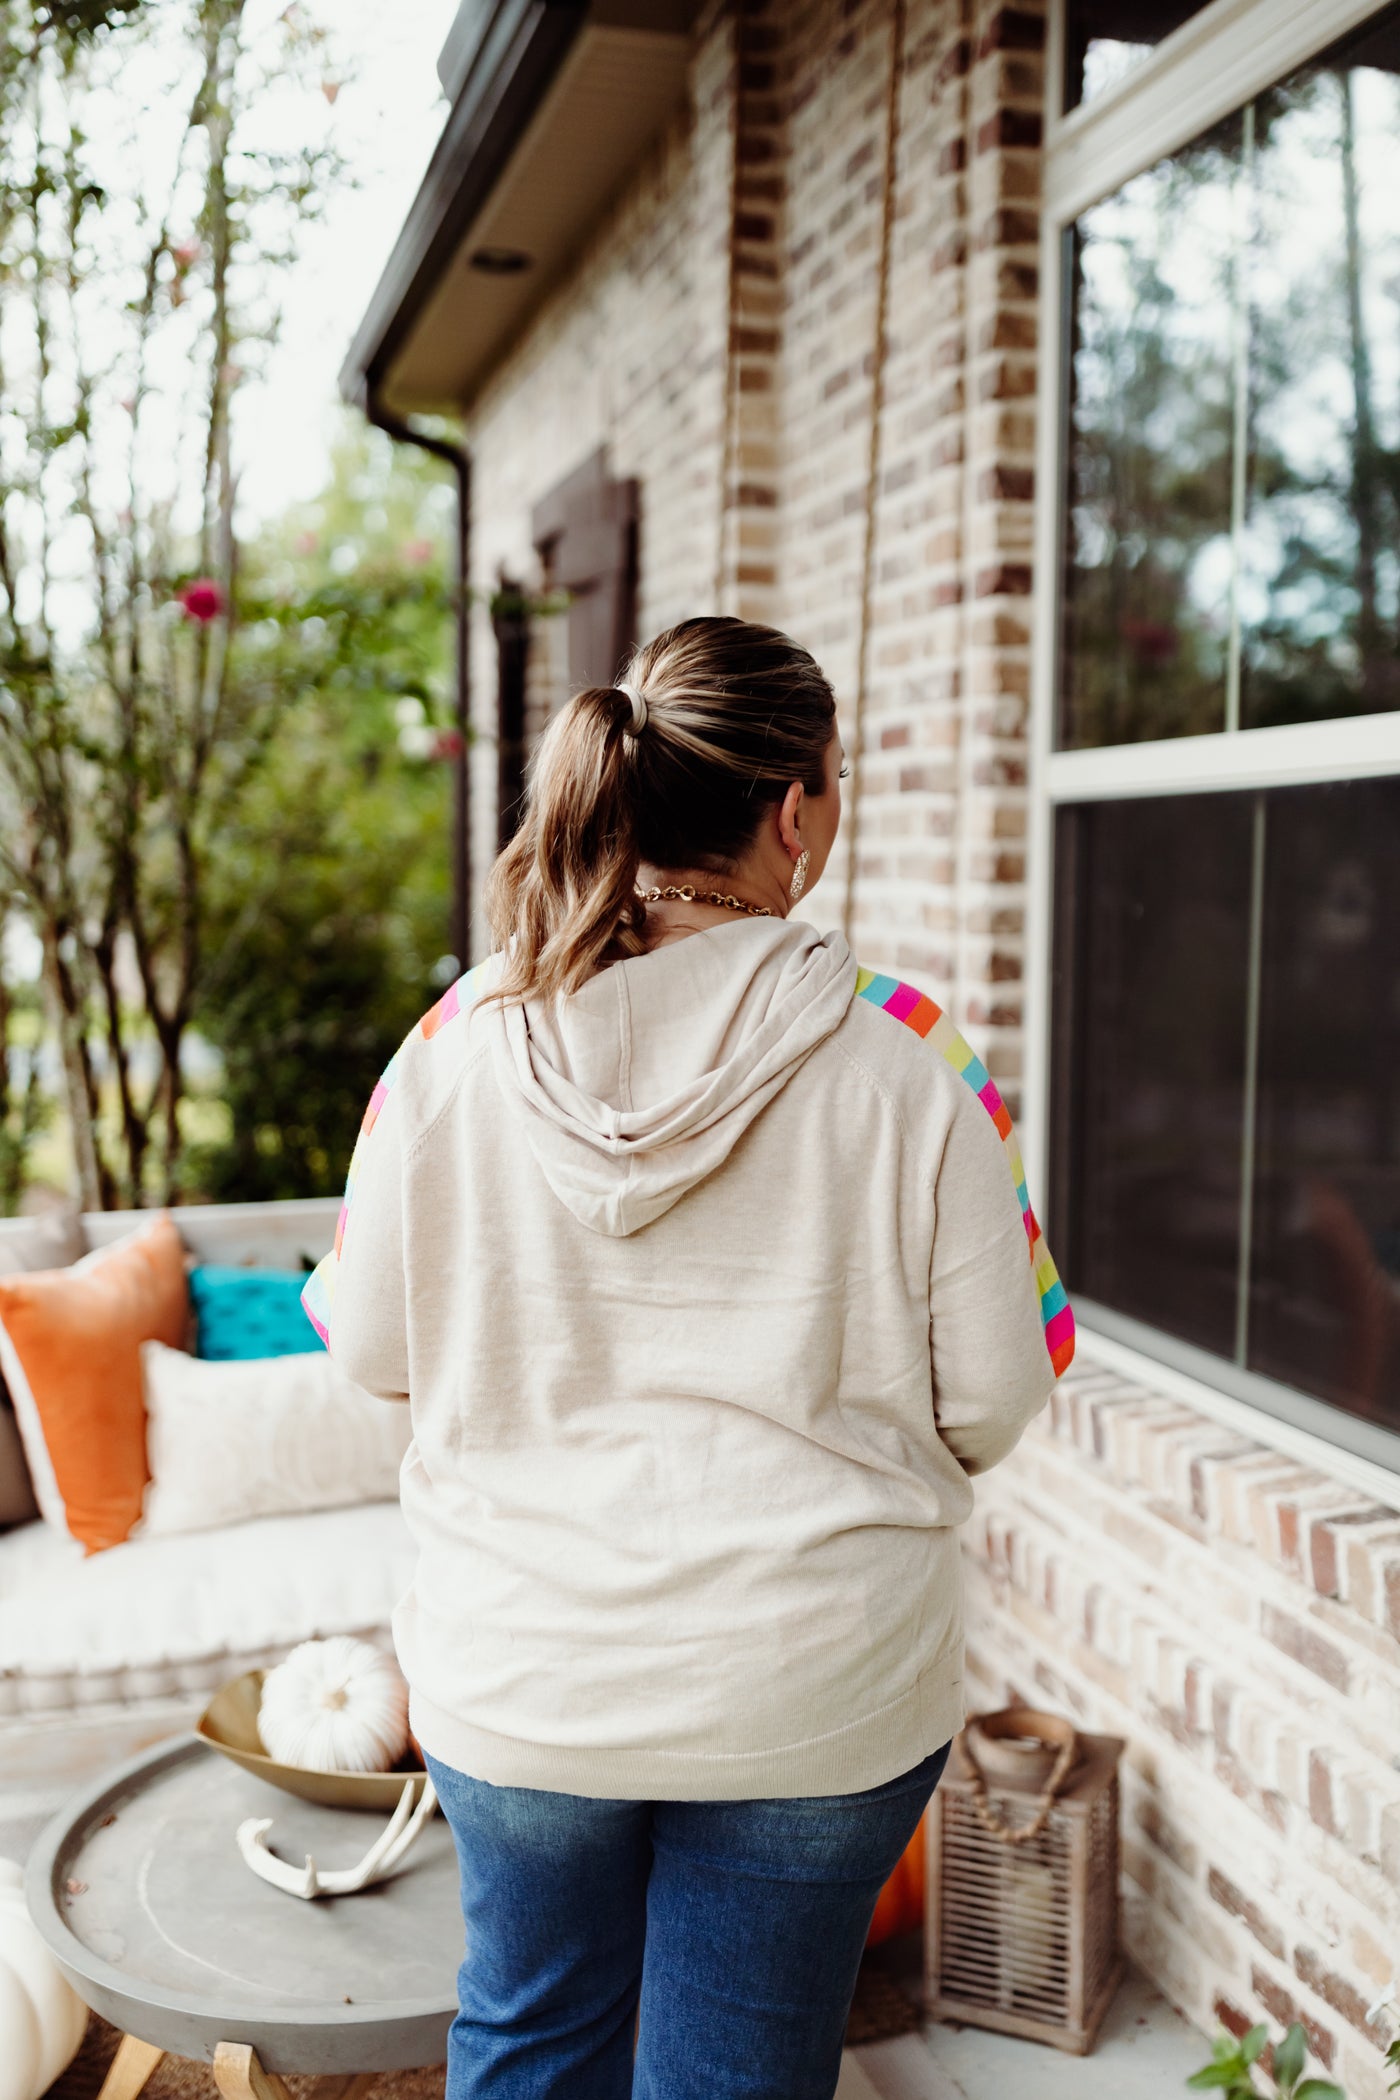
point(1205, 70)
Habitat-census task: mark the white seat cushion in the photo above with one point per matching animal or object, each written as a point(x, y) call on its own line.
point(184, 1613)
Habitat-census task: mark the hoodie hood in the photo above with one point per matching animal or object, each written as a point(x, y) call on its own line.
point(637, 1086)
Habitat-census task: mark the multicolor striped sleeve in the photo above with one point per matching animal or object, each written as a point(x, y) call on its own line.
point(318, 1296)
point(918, 1012)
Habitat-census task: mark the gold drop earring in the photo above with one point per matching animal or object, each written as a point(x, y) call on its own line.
point(799, 876)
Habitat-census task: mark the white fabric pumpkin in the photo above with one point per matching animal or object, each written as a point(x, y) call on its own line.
point(338, 1705)
point(42, 2018)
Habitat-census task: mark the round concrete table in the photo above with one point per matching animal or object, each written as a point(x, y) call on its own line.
point(140, 1891)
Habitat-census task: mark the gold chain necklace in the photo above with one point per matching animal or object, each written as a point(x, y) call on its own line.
point(686, 893)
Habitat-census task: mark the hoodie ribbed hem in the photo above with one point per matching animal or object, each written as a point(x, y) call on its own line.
point(866, 1753)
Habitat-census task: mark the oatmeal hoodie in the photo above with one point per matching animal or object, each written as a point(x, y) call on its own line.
point(709, 1288)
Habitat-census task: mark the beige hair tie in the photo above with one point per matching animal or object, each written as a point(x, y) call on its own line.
point(639, 708)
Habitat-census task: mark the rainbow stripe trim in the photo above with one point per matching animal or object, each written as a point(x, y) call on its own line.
point(918, 1012)
point(318, 1296)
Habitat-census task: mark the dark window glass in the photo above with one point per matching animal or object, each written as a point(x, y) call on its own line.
point(510, 619)
point(1324, 1311)
point(1233, 451)
point(1227, 1016)
point(1105, 39)
point(1153, 916)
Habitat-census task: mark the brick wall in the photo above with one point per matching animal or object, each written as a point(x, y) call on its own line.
point(631, 355)
point(941, 778)
point(1234, 1617)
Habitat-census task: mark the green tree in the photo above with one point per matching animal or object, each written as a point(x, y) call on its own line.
point(327, 889)
point(146, 227)
point(25, 1109)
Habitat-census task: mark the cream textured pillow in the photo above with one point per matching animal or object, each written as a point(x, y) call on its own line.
point(228, 1441)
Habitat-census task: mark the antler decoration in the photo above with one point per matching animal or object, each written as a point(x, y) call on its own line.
point(384, 1855)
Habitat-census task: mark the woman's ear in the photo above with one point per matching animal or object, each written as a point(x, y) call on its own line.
point(790, 819)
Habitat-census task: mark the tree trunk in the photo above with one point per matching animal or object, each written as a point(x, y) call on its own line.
point(135, 1130)
point(11, 1147)
point(174, 1092)
point(79, 1087)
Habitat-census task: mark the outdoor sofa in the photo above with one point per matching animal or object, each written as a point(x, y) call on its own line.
point(102, 1655)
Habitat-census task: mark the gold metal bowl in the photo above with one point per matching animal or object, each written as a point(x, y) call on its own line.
point(229, 1724)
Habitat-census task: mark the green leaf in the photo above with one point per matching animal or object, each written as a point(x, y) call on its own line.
point(1289, 2056)
point(1319, 2089)
point(1252, 2046)
point(1214, 2077)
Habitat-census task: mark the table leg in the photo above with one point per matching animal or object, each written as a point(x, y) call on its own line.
point(131, 2067)
point(239, 2074)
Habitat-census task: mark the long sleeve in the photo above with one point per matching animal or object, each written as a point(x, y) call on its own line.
point(1001, 1330)
point(355, 1298)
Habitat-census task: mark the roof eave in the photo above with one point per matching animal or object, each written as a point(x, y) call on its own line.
point(519, 56)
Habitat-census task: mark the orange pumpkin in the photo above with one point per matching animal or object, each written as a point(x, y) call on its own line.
point(900, 1905)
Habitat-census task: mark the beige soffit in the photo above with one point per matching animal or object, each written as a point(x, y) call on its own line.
point(612, 97)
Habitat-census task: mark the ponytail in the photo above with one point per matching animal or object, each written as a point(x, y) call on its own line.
point(676, 768)
point(563, 893)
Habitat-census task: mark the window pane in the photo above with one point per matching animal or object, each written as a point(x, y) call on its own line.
point(1319, 578)
point(1149, 555)
point(1324, 1308)
point(1152, 906)
point(1233, 451)
point(1105, 39)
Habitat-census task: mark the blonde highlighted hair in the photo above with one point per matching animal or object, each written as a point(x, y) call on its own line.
point(734, 714)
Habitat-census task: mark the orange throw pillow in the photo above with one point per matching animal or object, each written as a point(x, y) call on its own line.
point(71, 1351)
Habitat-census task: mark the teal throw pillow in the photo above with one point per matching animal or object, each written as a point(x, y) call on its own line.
point(243, 1313)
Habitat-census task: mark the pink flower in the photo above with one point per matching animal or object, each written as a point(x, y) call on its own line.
point(306, 543)
point(447, 744)
point(203, 600)
point(185, 253)
point(419, 552)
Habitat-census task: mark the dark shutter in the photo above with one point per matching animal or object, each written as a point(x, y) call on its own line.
point(586, 534)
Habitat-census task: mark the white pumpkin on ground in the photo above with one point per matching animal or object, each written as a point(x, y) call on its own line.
point(42, 2018)
point(338, 1705)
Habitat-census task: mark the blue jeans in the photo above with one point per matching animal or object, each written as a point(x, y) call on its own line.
point(737, 1925)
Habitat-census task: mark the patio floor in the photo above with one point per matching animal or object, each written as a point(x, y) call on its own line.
point(1144, 2049)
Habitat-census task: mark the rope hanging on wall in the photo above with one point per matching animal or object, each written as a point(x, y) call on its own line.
point(872, 472)
point(729, 363)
